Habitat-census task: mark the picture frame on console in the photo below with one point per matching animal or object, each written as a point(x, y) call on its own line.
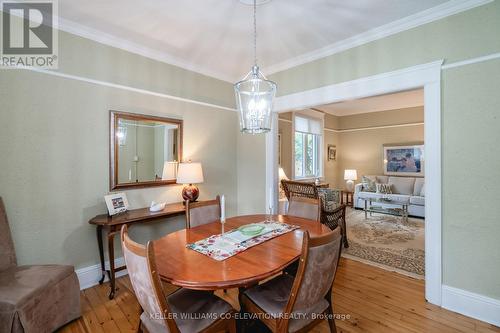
point(116, 203)
point(404, 160)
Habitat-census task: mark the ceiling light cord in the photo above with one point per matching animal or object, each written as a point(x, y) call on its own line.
point(255, 32)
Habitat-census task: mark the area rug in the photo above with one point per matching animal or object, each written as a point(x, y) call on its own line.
point(386, 241)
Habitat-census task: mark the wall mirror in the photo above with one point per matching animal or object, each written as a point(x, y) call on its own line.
point(144, 150)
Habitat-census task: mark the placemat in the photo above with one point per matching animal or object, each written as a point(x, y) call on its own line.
point(228, 244)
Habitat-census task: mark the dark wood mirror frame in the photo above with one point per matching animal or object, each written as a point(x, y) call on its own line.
point(114, 116)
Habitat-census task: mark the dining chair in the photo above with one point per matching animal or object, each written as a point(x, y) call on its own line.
point(332, 210)
point(202, 212)
point(182, 311)
point(297, 304)
point(307, 208)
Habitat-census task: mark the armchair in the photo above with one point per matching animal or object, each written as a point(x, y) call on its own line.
point(332, 212)
point(34, 298)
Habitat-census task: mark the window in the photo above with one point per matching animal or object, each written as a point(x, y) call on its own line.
point(307, 147)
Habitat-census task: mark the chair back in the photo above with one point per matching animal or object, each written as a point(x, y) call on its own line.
point(203, 212)
point(144, 278)
point(306, 208)
point(299, 189)
point(317, 267)
point(7, 251)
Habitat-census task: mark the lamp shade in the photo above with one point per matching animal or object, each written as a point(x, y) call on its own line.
point(169, 170)
point(350, 175)
point(189, 173)
point(282, 174)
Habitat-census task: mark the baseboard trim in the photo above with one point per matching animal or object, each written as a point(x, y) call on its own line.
point(90, 276)
point(471, 304)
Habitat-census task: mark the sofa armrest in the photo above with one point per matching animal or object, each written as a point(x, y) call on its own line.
point(358, 188)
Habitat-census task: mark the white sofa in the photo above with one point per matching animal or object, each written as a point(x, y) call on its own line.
point(401, 187)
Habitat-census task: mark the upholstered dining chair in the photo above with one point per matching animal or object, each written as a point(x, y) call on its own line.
point(297, 304)
point(182, 311)
point(34, 298)
point(304, 207)
point(202, 212)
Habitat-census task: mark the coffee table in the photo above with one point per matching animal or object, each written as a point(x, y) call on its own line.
point(397, 207)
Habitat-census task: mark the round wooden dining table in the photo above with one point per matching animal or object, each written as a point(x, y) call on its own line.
point(190, 269)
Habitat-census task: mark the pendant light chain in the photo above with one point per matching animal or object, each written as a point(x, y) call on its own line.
point(255, 32)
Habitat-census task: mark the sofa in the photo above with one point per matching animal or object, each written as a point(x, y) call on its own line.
point(402, 188)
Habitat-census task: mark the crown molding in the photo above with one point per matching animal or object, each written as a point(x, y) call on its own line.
point(127, 45)
point(432, 14)
point(446, 9)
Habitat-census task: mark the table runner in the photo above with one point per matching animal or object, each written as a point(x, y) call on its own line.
point(226, 245)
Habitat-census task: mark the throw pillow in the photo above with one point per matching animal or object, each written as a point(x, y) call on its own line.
point(368, 184)
point(384, 188)
point(422, 191)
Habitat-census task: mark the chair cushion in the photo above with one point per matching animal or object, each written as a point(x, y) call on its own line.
point(402, 185)
point(20, 284)
point(369, 183)
point(419, 183)
point(417, 200)
point(369, 195)
point(382, 179)
point(273, 296)
point(330, 206)
point(193, 311)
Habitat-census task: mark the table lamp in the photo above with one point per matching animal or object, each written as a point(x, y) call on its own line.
point(350, 176)
point(189, 174)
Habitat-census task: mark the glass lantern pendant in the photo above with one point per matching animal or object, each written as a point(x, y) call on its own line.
point(254, 96)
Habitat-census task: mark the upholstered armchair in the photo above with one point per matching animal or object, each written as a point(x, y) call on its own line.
point(332, 211)
point(34, 298)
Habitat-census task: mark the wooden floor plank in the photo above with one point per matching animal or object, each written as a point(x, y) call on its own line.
point(375, 301)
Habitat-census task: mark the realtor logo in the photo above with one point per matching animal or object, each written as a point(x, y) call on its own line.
point(29, 34)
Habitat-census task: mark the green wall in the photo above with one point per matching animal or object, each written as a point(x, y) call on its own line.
point(55, 149)
point(470, 129)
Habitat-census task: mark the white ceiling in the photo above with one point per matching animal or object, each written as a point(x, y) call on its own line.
point(214, 36)
point(401, 100)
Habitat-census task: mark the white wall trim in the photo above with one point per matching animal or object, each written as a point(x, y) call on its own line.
point(368, 86)
point(90, 276)
point(272, 189)
point(123, 87)
point(136, 48)
point(427, 16)
point(472, 305)
point(472, 61)
point(427, 76)
point(372, 128)
point(285, 120)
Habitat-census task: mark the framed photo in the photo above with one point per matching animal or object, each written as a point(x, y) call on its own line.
point(116, 203)
point(404, 160)
point(332, 153)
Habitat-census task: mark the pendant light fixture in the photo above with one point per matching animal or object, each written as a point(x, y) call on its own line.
point(255, 94)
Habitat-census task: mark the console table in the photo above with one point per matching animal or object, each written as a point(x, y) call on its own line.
point(113, 225)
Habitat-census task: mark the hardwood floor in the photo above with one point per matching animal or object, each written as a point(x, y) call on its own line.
point(372, 299)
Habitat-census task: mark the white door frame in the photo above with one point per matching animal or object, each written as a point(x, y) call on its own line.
point(427, 76)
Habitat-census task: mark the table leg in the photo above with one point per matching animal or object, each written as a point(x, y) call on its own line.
point(366, 207)
point(101, 253)
point(111, 251)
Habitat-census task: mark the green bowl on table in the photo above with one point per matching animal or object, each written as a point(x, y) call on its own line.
point(251, 229)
